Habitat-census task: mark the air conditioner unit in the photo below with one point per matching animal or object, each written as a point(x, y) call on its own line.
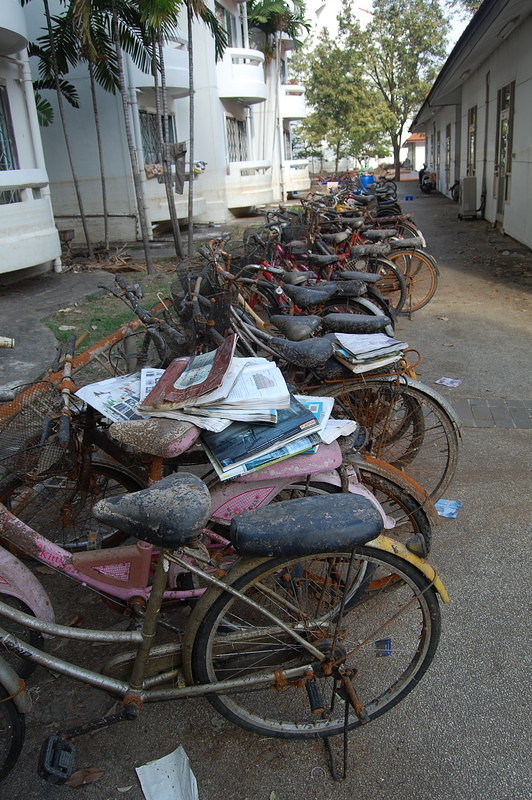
point(468, 197)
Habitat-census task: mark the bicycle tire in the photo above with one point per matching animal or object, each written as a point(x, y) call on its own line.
point(407, 427)
point(233, 639)
point(12, 732)
point(392, 284)
point(421, 277)
point(60, 511)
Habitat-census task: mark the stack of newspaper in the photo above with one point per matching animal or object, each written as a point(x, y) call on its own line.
point(248, 417)
point(364, 352)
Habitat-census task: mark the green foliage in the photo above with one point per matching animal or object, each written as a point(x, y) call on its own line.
point(277, 16)
point(45, 111)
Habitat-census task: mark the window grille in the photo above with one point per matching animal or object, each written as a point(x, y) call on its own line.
point(8, 150)
point(471, 140)
point(150, 135)
point(237, 142)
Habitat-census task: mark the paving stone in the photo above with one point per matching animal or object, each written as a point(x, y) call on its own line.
point(521, 417)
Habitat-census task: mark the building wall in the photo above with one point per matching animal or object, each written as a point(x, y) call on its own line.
point(510, 62)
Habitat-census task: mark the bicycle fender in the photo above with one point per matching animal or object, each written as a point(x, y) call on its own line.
point(439, 399)
point(18, 581)
point(391, 546)
point(15, 687)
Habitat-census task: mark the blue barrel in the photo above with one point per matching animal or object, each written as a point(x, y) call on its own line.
point(366, 180)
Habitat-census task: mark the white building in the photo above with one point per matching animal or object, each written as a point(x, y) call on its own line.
point(28, 236)
point(478, 118)
point(244, 109)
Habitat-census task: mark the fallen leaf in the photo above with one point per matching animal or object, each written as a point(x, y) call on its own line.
point(44, 570)
point(66, 327)
point(273, 796)
point(83, 776)
point(445, 319)
point(448, 344)
point(124, 788)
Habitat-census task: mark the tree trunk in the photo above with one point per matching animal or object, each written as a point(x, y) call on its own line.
point(190, 239)
point(167, 163)
point(150, 268)
point(396, 144)
point(65, 132)
point(100, 157)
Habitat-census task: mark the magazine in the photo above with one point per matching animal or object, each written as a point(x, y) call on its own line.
point(241, 441)
point(189, 378)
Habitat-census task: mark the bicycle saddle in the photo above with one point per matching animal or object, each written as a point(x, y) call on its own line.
point(306, 525)
point(370, 250)
point(355, 275)
point(319, 260)
point(380, 234)
point(336, 238)
point(166, 514)
point(311, 353)
point(296, 328)
point(409, 243)
point(355, 323)
point(166, 438)
point(304, 296)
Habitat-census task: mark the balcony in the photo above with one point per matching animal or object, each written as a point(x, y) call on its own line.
point(296, 176)
point(248, 184)
point(28, 235)
point(175, 53)
point(241, 76)
point(292, 101)
point(13, 34)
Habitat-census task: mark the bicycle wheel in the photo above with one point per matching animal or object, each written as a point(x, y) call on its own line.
point(59, 509)
point(406, 427)
point(387, 640)
point(421, 277)
point(392, 284)
point(12, 732)
point(22, 666)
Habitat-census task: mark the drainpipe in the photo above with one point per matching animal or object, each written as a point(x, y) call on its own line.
point(38, 151)
point(278, 118)
point(134, 106)
point(245, 30)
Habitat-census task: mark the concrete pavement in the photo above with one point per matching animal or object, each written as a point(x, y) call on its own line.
point(464, 733)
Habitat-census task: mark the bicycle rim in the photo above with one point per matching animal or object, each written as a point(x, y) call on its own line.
point(59, 510)
point(387, 637)
point(406, 427)
point(420, 275)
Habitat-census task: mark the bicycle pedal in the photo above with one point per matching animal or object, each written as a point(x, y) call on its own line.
point(56, 760)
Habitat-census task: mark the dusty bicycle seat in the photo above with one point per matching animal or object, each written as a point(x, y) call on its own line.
point(304, 296)
point(157, 436)
point(296, 328)
point(166, 514)
point(379, 234)
point(308, 354)
point(306, 525)
point(355, 323)
point(355, 275)
point(370, 250)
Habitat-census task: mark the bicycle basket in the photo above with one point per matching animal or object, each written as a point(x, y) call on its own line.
point(29, 442)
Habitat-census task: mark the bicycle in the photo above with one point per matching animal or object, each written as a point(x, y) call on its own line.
point(299, 611)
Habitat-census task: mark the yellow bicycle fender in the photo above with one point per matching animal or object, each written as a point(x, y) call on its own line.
point(398, 549)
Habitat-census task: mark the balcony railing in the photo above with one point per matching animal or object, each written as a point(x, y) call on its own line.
point(175, 54)
point(248, 183)
point(13, 33)
point(241, 76)
point(28, 235)
point(292, 101)
point(296, 176)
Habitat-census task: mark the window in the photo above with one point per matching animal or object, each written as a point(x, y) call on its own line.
point(505, 112)
point(8, 150)
point(150, 136)
point(228, 23)
point(237, 142)
point(471, 141)
point(438, 151)
point(448, 153)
